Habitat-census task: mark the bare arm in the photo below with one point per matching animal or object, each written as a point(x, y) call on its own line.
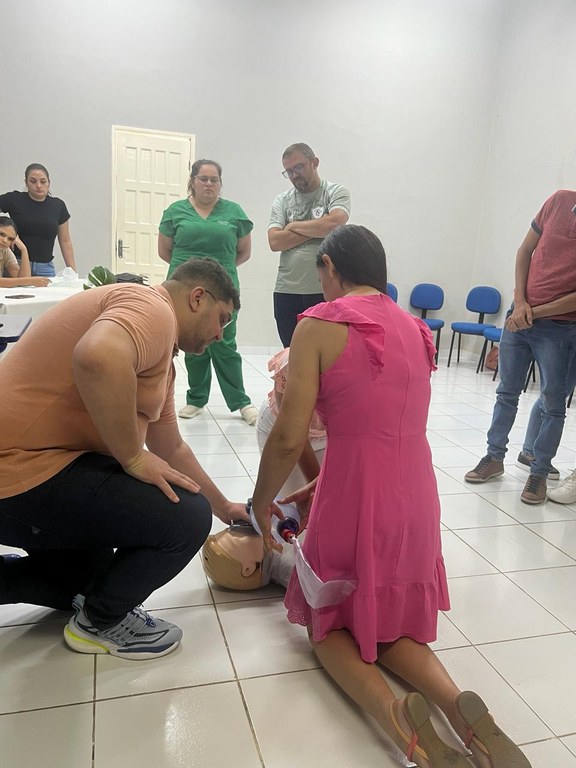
point(290, 432)
point(243, 250)
point(21, 275)
point(166, 442)
point(521, 316)
point(25, 270)
point(307, 462)
point(284, 240)
point(165, 245)
point(319, 227)
point(65, 242)
point(104, 367)
point(557, 307)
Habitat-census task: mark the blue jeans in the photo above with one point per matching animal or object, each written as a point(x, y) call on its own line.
point(552, 344)
point(42, 269)
point(535, 420)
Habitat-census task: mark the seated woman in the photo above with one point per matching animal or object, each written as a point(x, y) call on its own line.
point(234, 558)
point(17, 274)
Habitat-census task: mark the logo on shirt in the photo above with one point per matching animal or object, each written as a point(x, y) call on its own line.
point(317, 213)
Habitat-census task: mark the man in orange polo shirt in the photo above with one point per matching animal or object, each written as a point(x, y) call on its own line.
point(96, 483)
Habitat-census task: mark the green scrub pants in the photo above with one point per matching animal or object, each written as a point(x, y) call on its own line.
point(227, 362)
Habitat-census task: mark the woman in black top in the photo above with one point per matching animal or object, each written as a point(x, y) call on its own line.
point(40, 218)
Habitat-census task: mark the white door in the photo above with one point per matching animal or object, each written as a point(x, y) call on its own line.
point(150, 170)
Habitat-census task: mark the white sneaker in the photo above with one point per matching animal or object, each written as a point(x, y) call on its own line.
point(565, 493)
point(190, 411)
point(250, 414)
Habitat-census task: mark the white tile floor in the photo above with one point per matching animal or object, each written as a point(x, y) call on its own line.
point(244, 688)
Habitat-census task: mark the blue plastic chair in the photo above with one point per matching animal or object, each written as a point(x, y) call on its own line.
point(492, 335)
point(11, 328)
point(484, 300)
point(392, 291)
point(425, 297)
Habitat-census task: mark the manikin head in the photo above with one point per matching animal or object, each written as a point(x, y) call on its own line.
point(233, 558)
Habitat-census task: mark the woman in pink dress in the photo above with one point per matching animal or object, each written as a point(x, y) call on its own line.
point(364, 364)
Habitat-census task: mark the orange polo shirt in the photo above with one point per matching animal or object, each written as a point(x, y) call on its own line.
point(44, 424)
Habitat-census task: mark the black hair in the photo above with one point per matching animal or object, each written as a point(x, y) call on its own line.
point(208, 274)
point(196, 169)
point(6, 221)
point(36, 167)
point(357, 254)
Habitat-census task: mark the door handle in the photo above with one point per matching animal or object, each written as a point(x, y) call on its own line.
point(120, 248)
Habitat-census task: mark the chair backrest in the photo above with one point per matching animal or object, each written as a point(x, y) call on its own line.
point(392, 291)
point(484, 300)
point(426, 296)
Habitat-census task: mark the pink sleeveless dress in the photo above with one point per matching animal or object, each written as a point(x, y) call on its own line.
point(376, 513)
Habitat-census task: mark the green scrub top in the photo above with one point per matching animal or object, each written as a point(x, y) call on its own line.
point(215, 237)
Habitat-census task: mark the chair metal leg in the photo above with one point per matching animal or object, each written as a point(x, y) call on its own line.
point(480, 366)
point(495, 373)
point(459, 342)
point(437, 345)
point(531, 373)
point(451, 348)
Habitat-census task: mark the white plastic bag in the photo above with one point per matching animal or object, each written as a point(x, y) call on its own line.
point(66, 276)
point(318, 593)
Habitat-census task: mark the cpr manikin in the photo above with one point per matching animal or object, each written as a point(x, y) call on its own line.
point(233, 558)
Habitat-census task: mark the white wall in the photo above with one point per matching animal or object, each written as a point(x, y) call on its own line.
point(397, 98)
point(533, 145)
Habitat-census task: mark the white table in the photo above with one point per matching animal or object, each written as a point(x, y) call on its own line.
point(39, 299)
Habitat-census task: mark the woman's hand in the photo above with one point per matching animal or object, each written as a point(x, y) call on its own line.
point(303, 498)
point(19, 244)
point(38, 282)
point(263, 519)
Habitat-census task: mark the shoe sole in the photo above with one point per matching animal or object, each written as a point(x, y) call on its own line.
point(498, 748)
point(533, 502)
point(482, 479)
point(83, 645)
point(553, 476)
point(439, 753)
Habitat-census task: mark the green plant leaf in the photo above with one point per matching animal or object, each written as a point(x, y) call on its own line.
point(100, 276)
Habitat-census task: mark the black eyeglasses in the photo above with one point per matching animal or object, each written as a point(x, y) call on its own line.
point(295, 170)
point(227, 319)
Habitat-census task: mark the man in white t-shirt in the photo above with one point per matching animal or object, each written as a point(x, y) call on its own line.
point(301, 217)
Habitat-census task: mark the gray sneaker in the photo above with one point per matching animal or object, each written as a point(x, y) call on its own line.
point(525, 462)
point(136, 636)
point(486, 469)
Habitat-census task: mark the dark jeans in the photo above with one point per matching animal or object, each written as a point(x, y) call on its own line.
point(287, 307)
point(70, 526)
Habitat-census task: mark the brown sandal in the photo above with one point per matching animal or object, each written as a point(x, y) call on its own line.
point(485, 737)
point(424, 746)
